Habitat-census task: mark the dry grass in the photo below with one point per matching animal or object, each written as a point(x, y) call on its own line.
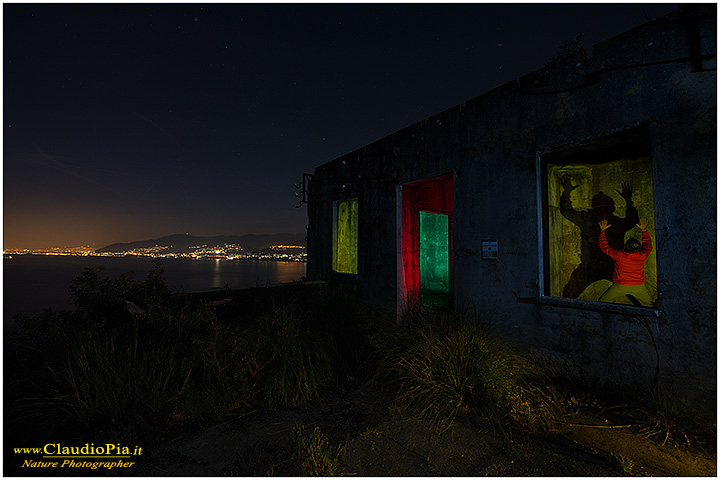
point(317, 457)
point(444, 368)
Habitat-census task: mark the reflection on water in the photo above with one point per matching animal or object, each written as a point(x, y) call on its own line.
point(232, 274)
point(32, 283)
point(288, 271)
point(239, 274)
point(216, 279)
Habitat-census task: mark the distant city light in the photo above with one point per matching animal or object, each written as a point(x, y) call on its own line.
point(284, 253)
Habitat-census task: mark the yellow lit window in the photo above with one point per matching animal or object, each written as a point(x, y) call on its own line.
point(345, 229)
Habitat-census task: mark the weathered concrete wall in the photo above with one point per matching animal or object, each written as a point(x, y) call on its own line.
point(655, 84)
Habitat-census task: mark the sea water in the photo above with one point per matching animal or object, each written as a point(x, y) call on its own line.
point(32, 283)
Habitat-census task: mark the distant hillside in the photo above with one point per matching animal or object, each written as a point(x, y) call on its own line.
point(182, 243)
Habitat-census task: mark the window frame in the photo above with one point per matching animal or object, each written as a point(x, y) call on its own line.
point(409, 205)
point(633, 143)
point(356, 234)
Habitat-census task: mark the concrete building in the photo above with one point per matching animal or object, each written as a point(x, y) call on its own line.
point(494, 205)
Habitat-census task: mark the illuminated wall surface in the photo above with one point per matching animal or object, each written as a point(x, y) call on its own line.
point(346, 234)
point(434, 252)
point(577, 267)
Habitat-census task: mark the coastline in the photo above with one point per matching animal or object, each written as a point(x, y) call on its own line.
point(35, 282)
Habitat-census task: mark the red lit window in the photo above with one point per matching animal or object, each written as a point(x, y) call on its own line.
point(427, 219)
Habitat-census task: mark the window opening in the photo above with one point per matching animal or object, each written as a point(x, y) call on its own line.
point(611, 182)
point(345, 258)
point(427, 265)
point(434, 259)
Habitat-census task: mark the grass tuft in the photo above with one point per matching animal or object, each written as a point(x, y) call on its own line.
point(296, 362)
point(317, 457)
point(626, 465)
point(443, 368)
point(664, 425)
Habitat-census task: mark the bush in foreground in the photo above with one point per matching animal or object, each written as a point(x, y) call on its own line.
point(293, 361)
point(127, 368)
point(100, 367)
point(443, 369)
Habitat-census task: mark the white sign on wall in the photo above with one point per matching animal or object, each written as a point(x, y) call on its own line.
point(489, 249)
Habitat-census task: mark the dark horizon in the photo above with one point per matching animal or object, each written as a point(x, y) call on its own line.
point(127, 121)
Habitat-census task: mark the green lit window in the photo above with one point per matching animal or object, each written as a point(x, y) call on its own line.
point(427, 226)
point(345, 229)
point(434, 252)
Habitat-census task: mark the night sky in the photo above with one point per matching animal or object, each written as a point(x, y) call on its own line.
point(134, 121)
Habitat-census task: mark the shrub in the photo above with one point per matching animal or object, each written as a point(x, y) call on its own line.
point(443, 369)
point(665, 424)
point(339, 315)
point(100, 367)
point(294, 362)
point(172, 360)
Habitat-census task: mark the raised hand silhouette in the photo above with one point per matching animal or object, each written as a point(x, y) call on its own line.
point(594, 265)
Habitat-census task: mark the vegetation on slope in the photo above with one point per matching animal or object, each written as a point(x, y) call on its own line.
point(134, 359)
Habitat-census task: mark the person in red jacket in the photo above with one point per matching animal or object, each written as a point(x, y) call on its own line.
point(629, 273)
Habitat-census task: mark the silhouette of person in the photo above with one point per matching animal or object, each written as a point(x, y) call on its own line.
point(629, 272)
point(594, 265)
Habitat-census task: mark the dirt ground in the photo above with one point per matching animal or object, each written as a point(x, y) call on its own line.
point(378, 442)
